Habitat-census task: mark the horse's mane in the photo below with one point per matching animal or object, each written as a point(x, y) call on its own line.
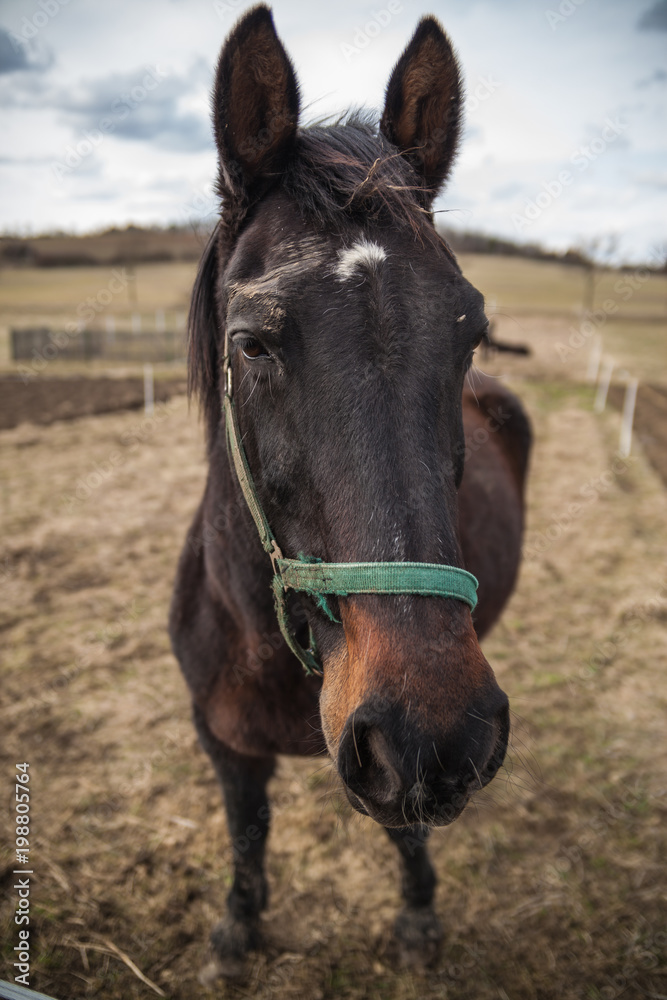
point(338, 173)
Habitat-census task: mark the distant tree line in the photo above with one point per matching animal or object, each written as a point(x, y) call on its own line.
point(136, 245)
point(584, 257)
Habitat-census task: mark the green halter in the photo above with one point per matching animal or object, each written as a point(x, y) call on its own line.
point(316, 578)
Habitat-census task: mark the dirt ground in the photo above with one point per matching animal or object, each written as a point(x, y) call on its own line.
point(44, 400)
point(552, 884)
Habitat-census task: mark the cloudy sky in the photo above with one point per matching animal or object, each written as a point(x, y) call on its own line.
point(104, 109)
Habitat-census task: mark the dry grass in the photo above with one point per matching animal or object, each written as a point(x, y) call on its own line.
point(551, 885)
point(526, 285)
point(55, 297)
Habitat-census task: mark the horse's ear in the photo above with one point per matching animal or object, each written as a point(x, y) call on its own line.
point(255, 105)
point(422, 113)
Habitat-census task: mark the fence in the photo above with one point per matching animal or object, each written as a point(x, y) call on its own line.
point(112, 344)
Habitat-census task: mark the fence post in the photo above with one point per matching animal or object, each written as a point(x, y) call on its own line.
point(594, 360)
point(603, 386)
point(625, 438)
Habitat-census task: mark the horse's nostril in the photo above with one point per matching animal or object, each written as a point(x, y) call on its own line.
point(400, 775)
point(377, 748)
point(367, 763)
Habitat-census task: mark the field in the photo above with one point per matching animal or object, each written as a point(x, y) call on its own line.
point(552, 884)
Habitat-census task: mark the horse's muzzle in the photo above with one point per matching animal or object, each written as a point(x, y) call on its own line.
point(399, 774)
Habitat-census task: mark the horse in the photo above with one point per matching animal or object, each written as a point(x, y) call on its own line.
point(358, 481)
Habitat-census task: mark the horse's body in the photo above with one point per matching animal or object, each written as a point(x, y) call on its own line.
point(350, 329)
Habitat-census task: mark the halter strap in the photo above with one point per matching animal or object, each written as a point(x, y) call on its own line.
point(342, 579)
point(312, 576)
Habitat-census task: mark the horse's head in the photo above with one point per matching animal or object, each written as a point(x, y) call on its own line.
point(351, 329)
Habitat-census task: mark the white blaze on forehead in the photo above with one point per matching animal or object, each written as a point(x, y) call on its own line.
point(363, 254)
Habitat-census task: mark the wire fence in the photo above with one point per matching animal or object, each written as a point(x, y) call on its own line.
point(126, 338)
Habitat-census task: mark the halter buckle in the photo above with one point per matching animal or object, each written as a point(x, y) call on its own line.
point(274, 555)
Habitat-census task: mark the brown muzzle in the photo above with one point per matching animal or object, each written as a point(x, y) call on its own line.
point(411, 710)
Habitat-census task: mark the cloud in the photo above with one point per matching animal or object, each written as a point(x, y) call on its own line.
point(23, 160)
point(658, 76)
point(655, 180)
point(507, 191)
point(11, 56)
point(146, 105)
point(520, 138)
point(655, 18)
point(16, 55)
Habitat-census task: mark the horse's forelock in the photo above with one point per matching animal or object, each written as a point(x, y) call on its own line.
point(338, 173)
point(347, 170)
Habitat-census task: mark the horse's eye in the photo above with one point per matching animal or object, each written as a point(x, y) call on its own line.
point(252, 349)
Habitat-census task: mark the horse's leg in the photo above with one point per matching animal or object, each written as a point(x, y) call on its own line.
point(243, 780)
point(417, 928)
